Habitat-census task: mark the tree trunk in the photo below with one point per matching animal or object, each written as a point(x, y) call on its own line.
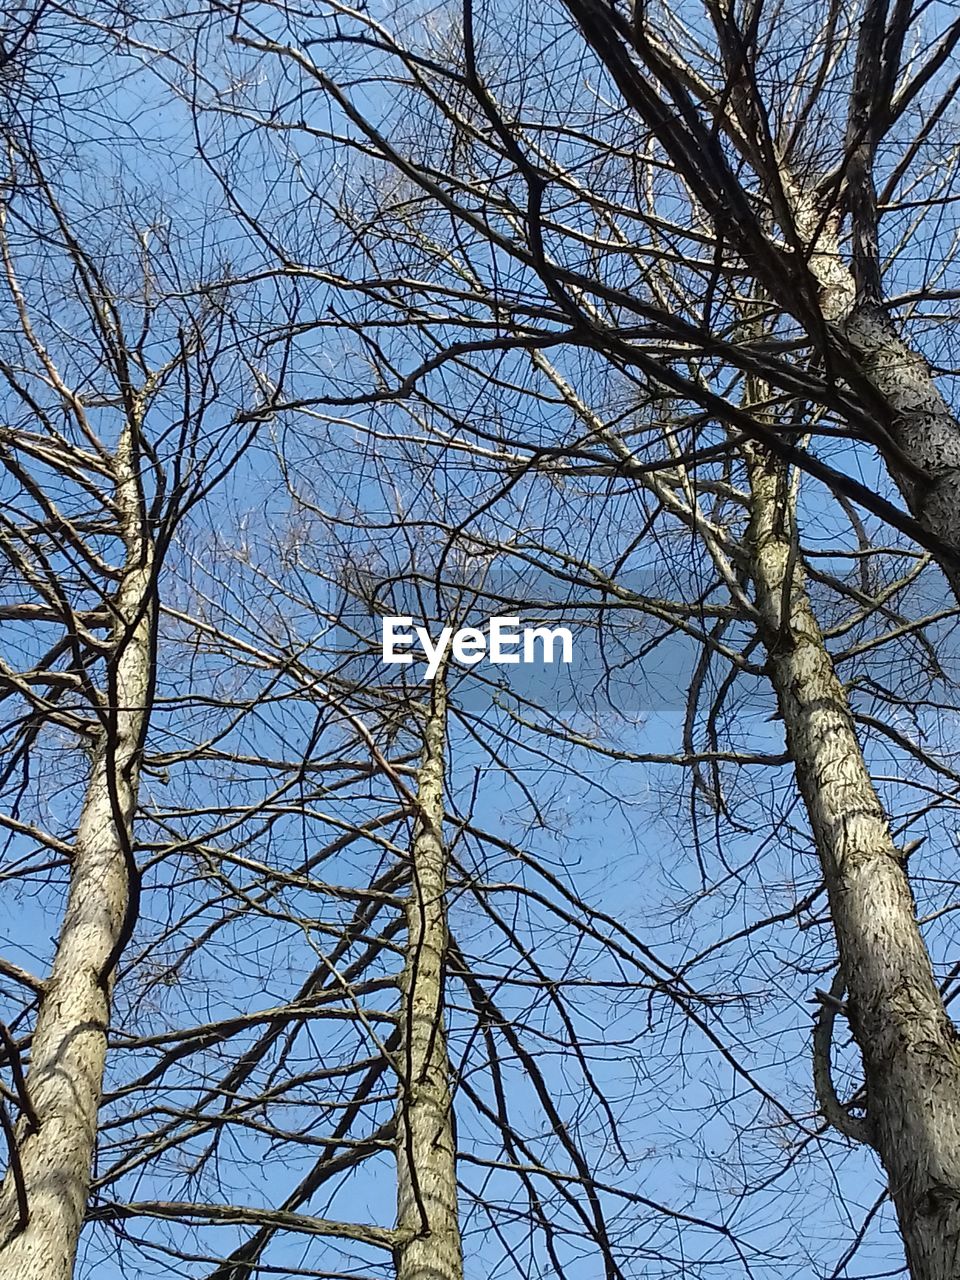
point(68, 1049)
point(426, 1154)
point(909, 1046)
point(920, 423)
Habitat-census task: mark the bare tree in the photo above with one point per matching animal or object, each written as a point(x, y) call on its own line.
point(907, 1041)
point(714, 142)
point(554, 192)
point(96, 479)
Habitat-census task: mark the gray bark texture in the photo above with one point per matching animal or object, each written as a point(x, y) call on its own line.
point(909, 1046)
point(427, 1221)
point(921, 424)
point(68, 1049)
point(920, 434)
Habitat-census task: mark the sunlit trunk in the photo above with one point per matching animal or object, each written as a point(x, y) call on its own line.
point(68, 1049)
point(426, 1158)
point(909, 1046)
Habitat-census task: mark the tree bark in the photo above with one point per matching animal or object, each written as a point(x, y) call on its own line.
point(919, 422)
point(430, 1247)
point(68, 1050)
point(909, 1046)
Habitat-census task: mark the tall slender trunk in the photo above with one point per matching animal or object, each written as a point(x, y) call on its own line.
point(426, 1154)
point(909, 1046)
point(68, 1049)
